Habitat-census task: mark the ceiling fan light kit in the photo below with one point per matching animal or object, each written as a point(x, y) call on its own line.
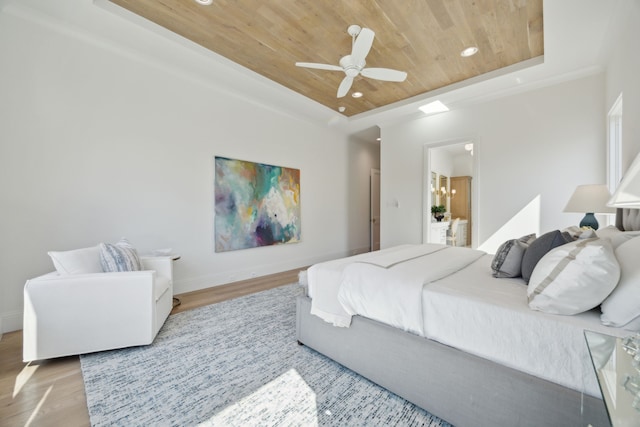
point(354, 64)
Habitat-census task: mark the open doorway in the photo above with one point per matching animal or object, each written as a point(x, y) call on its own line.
point(449, 173)
point(374, 219)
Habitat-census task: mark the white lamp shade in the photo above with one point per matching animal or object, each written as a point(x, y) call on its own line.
point(627, 195)
point(590, 199)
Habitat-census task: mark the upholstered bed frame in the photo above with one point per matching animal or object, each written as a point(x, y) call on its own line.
point(461, 388)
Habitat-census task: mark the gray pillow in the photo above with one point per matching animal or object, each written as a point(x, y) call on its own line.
point(121, 256)
point(539, 247)
point(507, 262)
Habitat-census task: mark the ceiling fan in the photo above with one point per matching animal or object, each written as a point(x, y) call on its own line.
point(353, 64)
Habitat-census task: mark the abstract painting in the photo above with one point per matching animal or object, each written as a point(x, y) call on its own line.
point(255, 204)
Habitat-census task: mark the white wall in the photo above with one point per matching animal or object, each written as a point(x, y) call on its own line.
point(532, 150)
point(100, 140)
point(622, 74)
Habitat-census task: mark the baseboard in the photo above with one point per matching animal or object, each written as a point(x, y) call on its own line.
point(11, 321)
point(202, 282)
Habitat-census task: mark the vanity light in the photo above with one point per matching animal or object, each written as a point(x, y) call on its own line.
point(470, 51)
point(357, 94)
point(204, 2)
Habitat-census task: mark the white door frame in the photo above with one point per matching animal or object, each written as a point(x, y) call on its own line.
point(374, 220)
point(426, 187)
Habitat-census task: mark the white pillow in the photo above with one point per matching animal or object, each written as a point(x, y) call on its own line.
point(623, 305)
point(574, 277)
point(616, 236)
point(77, 261)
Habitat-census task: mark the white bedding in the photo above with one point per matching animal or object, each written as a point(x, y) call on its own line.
point(388, 287)
point(462, 306)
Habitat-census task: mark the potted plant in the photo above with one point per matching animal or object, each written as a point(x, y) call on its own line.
point(438, 212)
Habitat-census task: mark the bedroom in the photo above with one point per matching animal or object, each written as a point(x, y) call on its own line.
point(96, 151)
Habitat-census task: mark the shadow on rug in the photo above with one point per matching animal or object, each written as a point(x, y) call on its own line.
point(236, 363)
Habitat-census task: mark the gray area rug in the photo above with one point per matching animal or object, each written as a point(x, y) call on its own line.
point(236, 363)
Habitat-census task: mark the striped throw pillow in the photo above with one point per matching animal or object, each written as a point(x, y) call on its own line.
point(574, 277)
point(121, 256)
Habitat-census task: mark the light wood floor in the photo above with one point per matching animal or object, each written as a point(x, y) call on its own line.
point(51, 393)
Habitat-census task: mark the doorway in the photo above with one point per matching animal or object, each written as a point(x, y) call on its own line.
point(374, 220)
point(450, 171)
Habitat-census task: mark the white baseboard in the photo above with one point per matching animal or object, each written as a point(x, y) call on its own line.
point(202, 282)
point(11, 321)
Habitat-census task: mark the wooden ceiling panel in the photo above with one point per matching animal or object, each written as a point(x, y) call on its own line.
point(423, 38)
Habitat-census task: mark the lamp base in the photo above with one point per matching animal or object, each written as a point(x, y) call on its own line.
point(589, 220)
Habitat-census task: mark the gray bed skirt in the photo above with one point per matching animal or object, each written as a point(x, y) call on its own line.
point(463, 389)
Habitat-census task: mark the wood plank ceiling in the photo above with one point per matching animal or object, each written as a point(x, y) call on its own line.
point(422, 37)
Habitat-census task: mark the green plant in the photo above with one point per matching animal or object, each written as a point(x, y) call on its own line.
point(436, 209)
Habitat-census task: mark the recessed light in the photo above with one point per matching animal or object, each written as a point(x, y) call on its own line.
point(434, 107)
point(470, 51)
point(204, 2)
point(357, 94)
point(341, 109)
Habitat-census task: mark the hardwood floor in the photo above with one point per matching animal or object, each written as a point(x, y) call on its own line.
point(51, 392)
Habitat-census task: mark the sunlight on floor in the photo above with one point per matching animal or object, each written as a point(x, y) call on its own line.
point(287, 400)
point(22, 378)
point(38, 406)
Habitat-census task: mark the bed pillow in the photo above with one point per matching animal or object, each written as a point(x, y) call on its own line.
point(622, 307)
point(616, 236)
point(77, 261)
point(539, 247)
point(121, 256)
point(507, 262)
point(574, 278)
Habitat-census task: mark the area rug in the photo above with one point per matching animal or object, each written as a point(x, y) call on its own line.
point(236, 363)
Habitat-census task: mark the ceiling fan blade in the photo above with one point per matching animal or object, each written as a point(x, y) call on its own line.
point(385, 74)
point(319, 66)
point(362, 46)
point(345, 86)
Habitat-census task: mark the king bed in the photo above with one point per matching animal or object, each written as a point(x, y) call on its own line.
point(440, 327)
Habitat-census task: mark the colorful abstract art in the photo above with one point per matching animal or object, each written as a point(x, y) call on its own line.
point(255, 205)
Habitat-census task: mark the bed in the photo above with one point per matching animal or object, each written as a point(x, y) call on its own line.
point(471, 351)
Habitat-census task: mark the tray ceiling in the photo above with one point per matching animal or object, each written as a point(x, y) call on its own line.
point(422, 37)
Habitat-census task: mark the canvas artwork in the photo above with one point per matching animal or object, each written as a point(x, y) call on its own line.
point(255, 204)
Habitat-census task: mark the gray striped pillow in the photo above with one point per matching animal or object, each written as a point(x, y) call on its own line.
point(121, 256)
point(574, 278)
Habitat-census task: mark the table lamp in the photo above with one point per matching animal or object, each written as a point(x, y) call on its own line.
point(590, 199)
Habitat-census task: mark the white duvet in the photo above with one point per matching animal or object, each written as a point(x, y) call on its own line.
point(449, 295)
point(388, 286)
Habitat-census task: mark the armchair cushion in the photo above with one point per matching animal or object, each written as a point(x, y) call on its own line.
point(121, 256)
point(77, 261)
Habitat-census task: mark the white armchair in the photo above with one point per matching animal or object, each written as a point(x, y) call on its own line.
point(83, 313)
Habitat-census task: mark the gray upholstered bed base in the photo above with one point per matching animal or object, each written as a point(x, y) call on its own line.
point(458, 387)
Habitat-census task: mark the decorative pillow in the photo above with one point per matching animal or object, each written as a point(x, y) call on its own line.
point(539, 247)
point(77, 261)
point(623, 305)
point(507, 262)
point(119, 257)
point(616, 236)
point(573, 278)
point(580, 233)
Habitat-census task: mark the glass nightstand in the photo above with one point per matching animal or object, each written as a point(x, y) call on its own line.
point(616, 362)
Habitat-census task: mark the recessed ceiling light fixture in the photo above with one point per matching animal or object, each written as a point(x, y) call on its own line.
point(204, 2)
point(341, 109)
point(434, 107)
point(357, 94)
point(470, 51)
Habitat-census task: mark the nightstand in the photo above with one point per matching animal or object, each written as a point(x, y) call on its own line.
point(616, 362)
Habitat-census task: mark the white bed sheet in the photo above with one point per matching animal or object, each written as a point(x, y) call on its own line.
point(488, 317)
